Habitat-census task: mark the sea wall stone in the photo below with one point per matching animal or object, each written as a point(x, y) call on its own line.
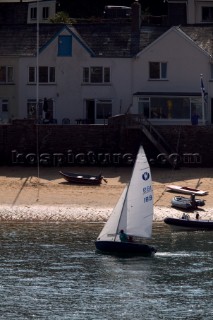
point(22, 142)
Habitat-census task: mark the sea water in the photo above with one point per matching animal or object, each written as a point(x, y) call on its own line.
point(51, 270)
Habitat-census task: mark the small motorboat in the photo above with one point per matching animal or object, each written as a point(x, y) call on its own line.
point(187, 203)
point(80, 178)
point(186, 190)
point(189, 224)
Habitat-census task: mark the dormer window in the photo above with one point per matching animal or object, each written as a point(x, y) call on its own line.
point(207, 14)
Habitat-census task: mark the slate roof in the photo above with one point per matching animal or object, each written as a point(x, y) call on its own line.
point(202, 35)
point(104, 39)
point(20, 40)
point(116, 39)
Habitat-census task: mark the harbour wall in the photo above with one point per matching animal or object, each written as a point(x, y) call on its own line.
point(24, 143)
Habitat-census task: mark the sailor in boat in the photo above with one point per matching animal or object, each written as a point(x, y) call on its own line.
point(185, 216)
point(197, 216)
point(123, 236)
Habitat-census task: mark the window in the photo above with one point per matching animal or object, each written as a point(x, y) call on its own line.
point(4, 105)
point(170, 107)
point(157, 70)
point(211, 70)
point(32, 109)
point(65, 46)
point(32, 74)
point(96, 75)
point(103, 109)
point(6, 74)
point(46, 74)
point(45, 13)
point(143, 107)
point(33, 13)
point(86, 75)
point(207, 14)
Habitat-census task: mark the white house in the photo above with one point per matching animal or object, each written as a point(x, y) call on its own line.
point(75, 84)
point(167, 79)
point(91, 71)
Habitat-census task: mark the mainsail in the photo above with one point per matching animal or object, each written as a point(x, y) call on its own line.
point(134, 210)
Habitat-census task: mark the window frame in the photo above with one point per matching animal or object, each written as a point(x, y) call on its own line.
point(96, 75)
point(8, 74)
point(167, 107)
point(158, 70)
point(32, 103)
point(4, 105)
point(103, 109)
point(209, 14)
point(45, 13)
point(33, 13)
point(50, 75)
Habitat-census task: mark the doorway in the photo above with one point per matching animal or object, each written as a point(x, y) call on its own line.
point(90, 111)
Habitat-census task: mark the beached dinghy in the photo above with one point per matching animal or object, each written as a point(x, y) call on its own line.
point(132, 216)
point(186, 190)
point(186, 203)
point(80, 178)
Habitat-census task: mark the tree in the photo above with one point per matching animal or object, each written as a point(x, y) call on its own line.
point(61, 17)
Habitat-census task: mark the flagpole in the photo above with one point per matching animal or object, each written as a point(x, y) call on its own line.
point(203, 98)
point(37, 94)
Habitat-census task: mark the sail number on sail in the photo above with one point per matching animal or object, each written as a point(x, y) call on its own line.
point(147, 189)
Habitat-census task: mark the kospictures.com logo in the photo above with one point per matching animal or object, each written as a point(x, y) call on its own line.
point(92, 158)
point(70, 158)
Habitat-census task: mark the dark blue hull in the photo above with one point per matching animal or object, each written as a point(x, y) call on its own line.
point(124, 248)
point(189, 224)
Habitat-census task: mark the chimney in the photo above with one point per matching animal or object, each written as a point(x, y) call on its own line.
point(136, 16)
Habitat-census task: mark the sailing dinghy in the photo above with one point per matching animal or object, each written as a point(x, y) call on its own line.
point(133, 214)
point(186, 190)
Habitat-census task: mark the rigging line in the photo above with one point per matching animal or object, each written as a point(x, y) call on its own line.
point(38, 166)
point(18, 194)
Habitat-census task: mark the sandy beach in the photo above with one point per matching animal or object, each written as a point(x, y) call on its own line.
point(30, 193)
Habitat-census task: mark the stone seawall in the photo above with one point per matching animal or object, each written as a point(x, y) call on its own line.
point(20, 141)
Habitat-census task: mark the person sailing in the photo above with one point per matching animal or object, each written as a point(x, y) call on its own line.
point(123, 236)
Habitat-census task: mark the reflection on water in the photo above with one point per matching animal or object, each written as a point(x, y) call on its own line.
point(51, 271)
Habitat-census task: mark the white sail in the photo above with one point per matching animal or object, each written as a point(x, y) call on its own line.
point(140, 199)
point(109, 230)
point(134, 210)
